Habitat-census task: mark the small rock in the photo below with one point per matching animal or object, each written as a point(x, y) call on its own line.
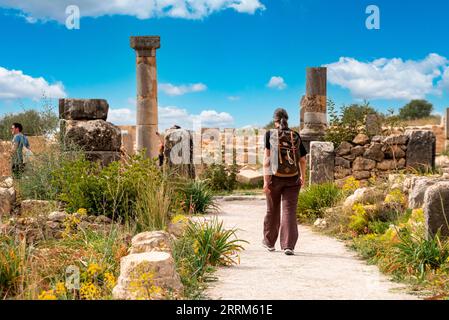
point(320, 223)
point(374, 152)
point(358, 151)
point(343, 149)
point(388, 165)
point(361, 139)
point(394, 152)
point(57, 216)
point(363, 164)
point(342, 162)
point(361, 175)
point(396, 139)
point(103, 219)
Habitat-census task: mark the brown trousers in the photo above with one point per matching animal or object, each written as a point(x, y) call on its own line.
point(285, 191)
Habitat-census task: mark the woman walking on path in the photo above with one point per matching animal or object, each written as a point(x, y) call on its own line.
point(284, 174)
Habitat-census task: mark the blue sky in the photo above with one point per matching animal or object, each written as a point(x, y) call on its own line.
point(217, 59)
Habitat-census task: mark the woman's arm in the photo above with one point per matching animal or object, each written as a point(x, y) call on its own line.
point(302, 166)
point(266, 168)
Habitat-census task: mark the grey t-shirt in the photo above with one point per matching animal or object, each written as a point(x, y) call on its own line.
point(20, 141)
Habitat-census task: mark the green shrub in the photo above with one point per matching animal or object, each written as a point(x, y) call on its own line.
point(204, 246)
point(196, 197)
point(220, 177)
point(378, 227)
point(418, 255)
point(314, 200)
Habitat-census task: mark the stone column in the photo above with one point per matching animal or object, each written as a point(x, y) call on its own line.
point(314, 106)
point(147, 107)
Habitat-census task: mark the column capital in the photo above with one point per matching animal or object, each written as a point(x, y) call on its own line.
point(145, 42)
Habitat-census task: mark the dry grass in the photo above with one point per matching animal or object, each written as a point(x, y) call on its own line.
point(5, 167)
point(432, 120)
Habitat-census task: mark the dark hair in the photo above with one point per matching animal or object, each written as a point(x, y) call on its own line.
point(281, 116)
point(18, 126)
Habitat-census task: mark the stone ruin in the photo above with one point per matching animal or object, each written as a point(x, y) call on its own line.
point(83, 124)
point(365, 158)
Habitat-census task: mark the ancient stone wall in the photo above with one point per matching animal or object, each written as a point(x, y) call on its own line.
point(365, 158)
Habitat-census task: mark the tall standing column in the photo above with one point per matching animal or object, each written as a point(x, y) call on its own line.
point(147, 107)
point(313, 106)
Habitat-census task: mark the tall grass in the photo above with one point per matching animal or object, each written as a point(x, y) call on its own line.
point(152, 207)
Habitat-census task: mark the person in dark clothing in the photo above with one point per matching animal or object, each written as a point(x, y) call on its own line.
point(19, 142)
point(284, 174)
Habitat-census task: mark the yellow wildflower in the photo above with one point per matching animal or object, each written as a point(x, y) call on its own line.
point(109, 280)
point(82, 211)
point(60, 289)
point(89, 291)
point(179, 218)
point(47, 295)
point(351, 184)
point(93, 269)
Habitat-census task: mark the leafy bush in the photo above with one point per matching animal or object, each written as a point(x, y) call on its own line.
point(313, 201)
point(197, 197)
point(220, 177)
point(344, 126)
point(416, 109)
point(34, 123)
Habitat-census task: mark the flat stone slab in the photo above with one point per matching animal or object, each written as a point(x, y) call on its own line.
point(83, 109)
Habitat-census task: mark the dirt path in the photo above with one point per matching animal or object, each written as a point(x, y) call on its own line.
point(323, 268)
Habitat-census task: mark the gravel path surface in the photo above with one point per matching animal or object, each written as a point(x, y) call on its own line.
point(323, 268)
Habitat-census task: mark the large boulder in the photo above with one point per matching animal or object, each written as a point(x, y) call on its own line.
point(436, 209)
point(83, 109)
point(94, 135)
point(103, 157)
point(418, 188)
point(421, 149)
point(142, 273)
point(394, 152)
point(150, 241)
point(250, 177)
point(322, 162)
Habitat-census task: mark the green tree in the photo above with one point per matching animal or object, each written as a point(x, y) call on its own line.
point(355, 114)
point(416, 109)
point(35, 123)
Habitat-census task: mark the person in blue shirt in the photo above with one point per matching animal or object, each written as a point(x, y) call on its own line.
point(19, 141)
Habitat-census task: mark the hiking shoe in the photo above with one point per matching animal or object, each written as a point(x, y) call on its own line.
point(289, 252)
point(271, 249)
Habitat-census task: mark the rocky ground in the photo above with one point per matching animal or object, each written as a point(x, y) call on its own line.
point(323, 267)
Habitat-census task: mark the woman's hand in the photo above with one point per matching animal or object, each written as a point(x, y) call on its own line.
point(265, 186)
point(301, 180)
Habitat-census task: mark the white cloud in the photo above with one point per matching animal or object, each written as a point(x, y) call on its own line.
point(142, 9)
point(171, 115)
point(173, 90)
point(277, 83)
point(390, 78)
point(122, 116)
point(444, 83)
point(14, 84)
point(233, 98)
